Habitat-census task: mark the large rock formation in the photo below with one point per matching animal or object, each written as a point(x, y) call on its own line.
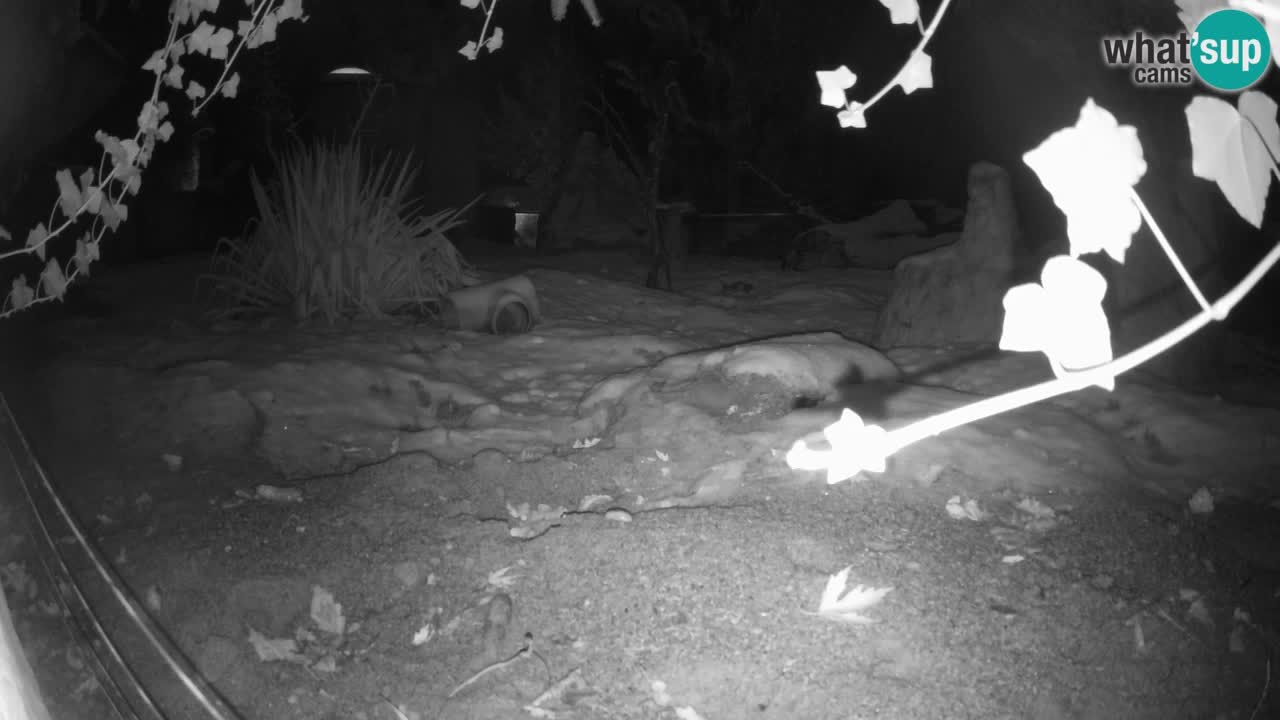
point(600, 202)
point(954, 295)
point(1028, 69)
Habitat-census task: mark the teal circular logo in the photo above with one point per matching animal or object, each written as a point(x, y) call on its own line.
point(1231, 50)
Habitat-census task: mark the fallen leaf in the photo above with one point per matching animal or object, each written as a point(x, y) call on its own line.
point(275, 650)
point(501, 579)
point(326, 613)
point(847, 606)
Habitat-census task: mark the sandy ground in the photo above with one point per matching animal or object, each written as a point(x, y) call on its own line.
point(1086, 588)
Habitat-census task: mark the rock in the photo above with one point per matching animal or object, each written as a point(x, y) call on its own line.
point(207, 421)
point(878, 241)
point(687, 399)
point(600, 203)
point(410, 574)
point(302, 447)
point(1147, 297)
point(886, 252)
point(872, 241)
point(491, 463)
point(217, 656)
point(954, 295)
point(271, 605)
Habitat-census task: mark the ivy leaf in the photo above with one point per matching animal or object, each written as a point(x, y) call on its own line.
point(468, 51)
point(173, 78)
point(130, 174)
point(156, 63)
point(119, 153)
point(1090, 170)
point(21, 295)
point(593, 12)
point(220, 49)
point(131, 150)
point(93, 200)
point(210, 41)
point(231, 86)
point(86, 252)
point(187, 11)
point(854, 116)
point(267, 31)
point(291, 10)
point(151, 115)
point(36, 239)
point(125, 155)
point(148, 147)
point(1062, 317)
point(495, 40)
point(855, 446)
point(200, 39)
point(917, 73)
point(561, 7)
point(133, 183)
point(4, 235)
point(195, 91)
point(69, 200)
point(112, 214)
point(834, 83)
point(52, 279)
point(902, 12)
point(1236, 148)
point(473, 4)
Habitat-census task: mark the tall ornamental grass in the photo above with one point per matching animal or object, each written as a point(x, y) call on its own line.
point(337, 237)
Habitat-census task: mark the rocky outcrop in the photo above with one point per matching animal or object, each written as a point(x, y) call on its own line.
point(954, 295)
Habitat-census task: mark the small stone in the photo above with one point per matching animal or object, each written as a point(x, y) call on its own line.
point(217, 657)
point(408, 573)
point(1102, 581)
point(1201, 503)
point(273, 493)
point(618, 515)
point(931, 475)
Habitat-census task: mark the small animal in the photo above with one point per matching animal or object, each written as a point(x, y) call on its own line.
point(737, 287)
point(659, 277)
point(669, 241)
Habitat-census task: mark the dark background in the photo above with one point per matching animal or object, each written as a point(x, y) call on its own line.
point(1006, 74)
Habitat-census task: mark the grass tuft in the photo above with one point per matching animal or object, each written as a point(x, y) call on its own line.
point(338, 237)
